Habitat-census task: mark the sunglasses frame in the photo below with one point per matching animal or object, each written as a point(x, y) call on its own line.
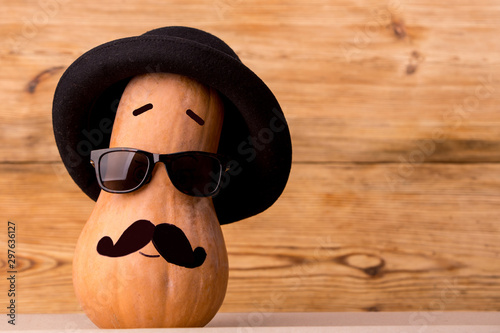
point(153, 158)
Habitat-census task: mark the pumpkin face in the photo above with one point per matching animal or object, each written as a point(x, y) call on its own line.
point(119, 281)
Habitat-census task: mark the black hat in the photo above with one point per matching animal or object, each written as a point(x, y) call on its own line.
point(254, 133)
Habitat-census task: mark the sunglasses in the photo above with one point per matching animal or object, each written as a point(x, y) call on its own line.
point(124, 170)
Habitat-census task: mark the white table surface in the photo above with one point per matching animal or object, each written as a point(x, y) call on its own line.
point(342, 322)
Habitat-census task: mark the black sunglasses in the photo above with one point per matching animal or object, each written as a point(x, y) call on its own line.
point(123, 170)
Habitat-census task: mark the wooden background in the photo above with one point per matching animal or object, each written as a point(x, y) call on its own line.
point(393, 202)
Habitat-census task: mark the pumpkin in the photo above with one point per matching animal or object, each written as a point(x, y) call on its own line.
point(142, 289)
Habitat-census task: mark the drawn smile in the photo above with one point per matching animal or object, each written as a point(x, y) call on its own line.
point(150, 255)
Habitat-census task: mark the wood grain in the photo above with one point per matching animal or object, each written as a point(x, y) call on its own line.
point(340, 72)
point(340, 239)
point(393, 200)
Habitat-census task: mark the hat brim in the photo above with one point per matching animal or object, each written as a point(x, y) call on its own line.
point(255, 133)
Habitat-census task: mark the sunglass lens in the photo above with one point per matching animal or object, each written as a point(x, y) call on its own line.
point(196, 175)
point(123, 170)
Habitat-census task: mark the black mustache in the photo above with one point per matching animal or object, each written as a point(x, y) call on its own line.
point(168, 239)
point(134, 238)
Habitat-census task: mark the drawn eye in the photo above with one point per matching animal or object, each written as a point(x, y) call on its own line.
point(195, 117)
point(142, 109)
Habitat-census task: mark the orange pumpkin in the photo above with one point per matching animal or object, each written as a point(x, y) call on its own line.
point(142, 289)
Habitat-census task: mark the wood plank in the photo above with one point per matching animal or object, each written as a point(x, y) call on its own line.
point(340, 71)
point(393, 109)
point(340, 239)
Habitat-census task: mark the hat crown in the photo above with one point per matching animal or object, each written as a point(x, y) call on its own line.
point(87, 95)
point(194, 35)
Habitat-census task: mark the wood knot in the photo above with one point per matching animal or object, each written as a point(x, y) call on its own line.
point(369, 264)
point(415, 59)
point(33, 83)
point(398, 28)
point(373, 308)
